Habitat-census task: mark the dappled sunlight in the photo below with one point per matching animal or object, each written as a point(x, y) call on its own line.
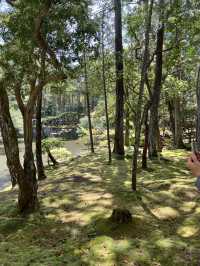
point(165, 213)
point(100, 249)
point(187, 231)
point(188, 206)
point(77, 200)
point(165, 243)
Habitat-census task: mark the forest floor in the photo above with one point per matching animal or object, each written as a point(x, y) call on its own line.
point(72, 226)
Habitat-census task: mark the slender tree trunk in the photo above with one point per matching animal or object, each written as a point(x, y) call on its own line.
point(177, 100)
point(170, 105)
point(27, 196)
point(39, 160)
point(198, 109)
point(119, 115)
point(178, 124)
point(154, 120)
point(138, 123)
point(145, 148)
point(88, 105)
point(146, 135)
point(51, 157)
point(79, 106)
point(105, 95)
point(127, 120)
point(127, 127)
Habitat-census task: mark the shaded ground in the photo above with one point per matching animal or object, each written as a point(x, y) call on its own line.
point(72, 226)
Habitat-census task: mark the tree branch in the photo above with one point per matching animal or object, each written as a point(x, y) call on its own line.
point(11, 2)
point(148, 85)
point(42, 43)
point(18, 97)
point(56, 77)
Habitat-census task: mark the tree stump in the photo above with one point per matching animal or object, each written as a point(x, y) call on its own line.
point(121, 216)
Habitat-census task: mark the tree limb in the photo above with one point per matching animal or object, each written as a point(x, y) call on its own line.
point(18, 97)
point(42, 43)
point(11, 2)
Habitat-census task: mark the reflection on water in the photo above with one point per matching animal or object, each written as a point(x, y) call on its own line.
point(74, 146)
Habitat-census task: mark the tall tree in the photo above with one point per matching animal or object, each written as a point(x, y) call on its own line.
point(198, 108)
point(154, 109)
point(25, 177)
point(39, 160)
point(177, 99)
point(105, 92)
point(138, 120)
point(87, 94)
point(23, 41)
point(119, 115)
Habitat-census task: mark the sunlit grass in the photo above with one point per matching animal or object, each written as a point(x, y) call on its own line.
point(72, 226)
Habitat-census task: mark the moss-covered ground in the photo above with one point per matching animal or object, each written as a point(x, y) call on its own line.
point(72, 225)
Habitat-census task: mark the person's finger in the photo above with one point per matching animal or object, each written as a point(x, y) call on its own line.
point(189, 162)
point(194, 158)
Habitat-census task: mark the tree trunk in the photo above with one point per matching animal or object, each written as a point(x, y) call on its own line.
point(198, 109)
point(39, 161)
point(154, 120)
point(79, 106)
point(88, 105)
point(177, 100)
point(119, 115)
point(27, 197)
point(178, 124)
point(52, 158)
point(170, 105)
point(138, 122)
point(145, 148)
point(29, 164)
point(146, 135)
point(127, 127)
point(105, 95)
point(127, 119)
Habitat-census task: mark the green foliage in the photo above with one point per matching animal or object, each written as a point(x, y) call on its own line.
point(61, 153)
point(69, 116)
point(175, 87)
point(51, 143)
point(82, 131)
point(16, 117)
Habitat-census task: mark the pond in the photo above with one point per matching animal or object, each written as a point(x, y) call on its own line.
point(76, 147)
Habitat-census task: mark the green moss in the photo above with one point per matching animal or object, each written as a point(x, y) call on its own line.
point(73, 227)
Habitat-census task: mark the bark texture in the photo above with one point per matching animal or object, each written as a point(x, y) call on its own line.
point(154, 109)
point(146, 134)
point(105, 95)
point(88, 105)
point(119, 113)
point(138, 122)
point(170, 105)
point(178, 124)
point(39, 160)
point(25, 177)
point(198, 109)
point(51, 157)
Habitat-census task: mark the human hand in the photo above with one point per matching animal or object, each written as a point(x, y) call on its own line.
point(194, 165)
